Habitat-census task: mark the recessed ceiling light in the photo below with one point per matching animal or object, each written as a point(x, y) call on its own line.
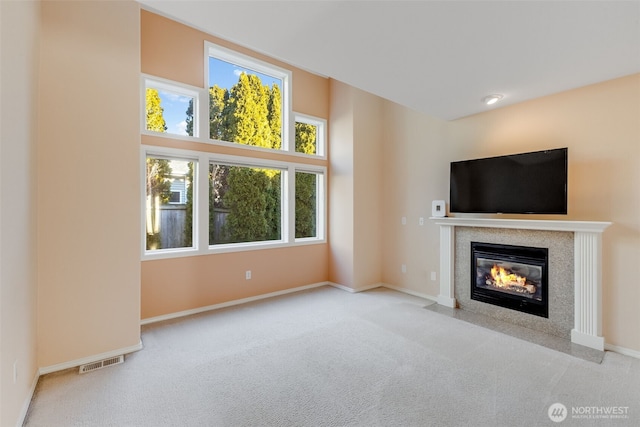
point(492, 99)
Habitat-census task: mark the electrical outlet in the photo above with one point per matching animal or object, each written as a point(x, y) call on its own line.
point(421, 221)
point(404, 268)
point(247, 274)
point(15, 372)
point(433, 275)
point(404, 220)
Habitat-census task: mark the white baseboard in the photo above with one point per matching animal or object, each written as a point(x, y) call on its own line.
point(411, 292)
point(622, 350)
point(355, 290)
point(228, 304)
point(89, 359)
point(27, 401)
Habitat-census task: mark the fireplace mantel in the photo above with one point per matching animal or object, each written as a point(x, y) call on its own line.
point(587, 329)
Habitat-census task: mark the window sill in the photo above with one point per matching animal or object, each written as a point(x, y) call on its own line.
point(228, 248)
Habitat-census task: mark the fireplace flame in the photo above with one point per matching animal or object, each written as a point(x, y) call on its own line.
point(504, 279)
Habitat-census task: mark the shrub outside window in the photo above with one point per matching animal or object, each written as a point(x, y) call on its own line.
point(245, 204)
point(306, 205)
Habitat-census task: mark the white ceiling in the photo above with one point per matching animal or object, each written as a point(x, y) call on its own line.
point(438, 57)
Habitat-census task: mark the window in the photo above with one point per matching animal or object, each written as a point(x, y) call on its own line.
point(200, 202)
point(307, 204)
point(248, 99)
point(168, 223)
point(245, 204)
point(233, 204)
point(170, 108)
point(310, 135)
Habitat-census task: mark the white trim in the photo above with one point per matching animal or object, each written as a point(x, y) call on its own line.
point(447, 268)
point(411, 292)
point(622, 350)
point(185, 313)
point(447, 302)
point(525, 224)
point(356, 290)
point(89, 359)
point(27, 402)
point(587, 340)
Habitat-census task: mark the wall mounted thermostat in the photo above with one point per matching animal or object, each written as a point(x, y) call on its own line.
point(438, 209)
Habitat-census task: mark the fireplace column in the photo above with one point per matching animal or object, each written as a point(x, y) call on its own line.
point(587, 329)
point(447, 267)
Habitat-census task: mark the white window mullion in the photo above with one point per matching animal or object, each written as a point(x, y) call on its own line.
point(321, 206)
point(290, 205)
point(201, 204)
point(203, 114)
point(288, 124)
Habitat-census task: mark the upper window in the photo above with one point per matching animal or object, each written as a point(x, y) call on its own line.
point(170, 108)
point(310, 135)
point(248, 99)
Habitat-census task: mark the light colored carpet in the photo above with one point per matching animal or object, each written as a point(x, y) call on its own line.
point(325, 357)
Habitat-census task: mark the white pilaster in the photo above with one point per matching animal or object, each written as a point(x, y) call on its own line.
point(587, 328)
point(447, 266)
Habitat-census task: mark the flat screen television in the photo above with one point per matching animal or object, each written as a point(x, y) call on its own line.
point(526, 183)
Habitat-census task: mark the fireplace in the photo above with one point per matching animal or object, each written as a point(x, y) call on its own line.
point(513, 277)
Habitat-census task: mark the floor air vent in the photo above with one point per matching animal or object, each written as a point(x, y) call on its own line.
point(101, 364)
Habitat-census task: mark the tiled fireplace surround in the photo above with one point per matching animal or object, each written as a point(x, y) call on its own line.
point(575, 272)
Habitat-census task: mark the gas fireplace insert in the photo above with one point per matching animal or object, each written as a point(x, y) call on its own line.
point(514, 277)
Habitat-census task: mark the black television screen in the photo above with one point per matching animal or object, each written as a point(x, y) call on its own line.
point(527, 183)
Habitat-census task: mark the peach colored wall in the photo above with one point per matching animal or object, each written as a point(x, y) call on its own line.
point(178, 284)
point(341, 182)
point(88, 167)
point(356, 197)
point(19, 24)
point(600, 125)
point(174, 51)
point(367, 194)
point(416, 171)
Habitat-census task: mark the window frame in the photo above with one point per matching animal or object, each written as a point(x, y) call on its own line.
point(202, 160)
point(263, 67)
point(321, 205)
point(321, 135)
point(284, 211)
point(168, 154)
point(198, 94)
